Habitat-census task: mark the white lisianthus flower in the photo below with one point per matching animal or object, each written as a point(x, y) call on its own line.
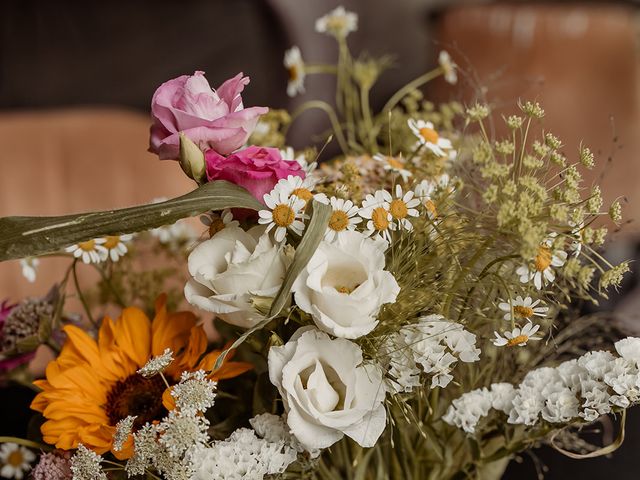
point(229, 269)
point(326, 390)
point(344, 285)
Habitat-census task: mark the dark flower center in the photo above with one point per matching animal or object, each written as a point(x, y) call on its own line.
point(137, 396)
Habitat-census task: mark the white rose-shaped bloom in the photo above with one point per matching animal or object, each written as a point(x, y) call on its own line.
point(230, 268)
point(326, 391)
point(344, 285)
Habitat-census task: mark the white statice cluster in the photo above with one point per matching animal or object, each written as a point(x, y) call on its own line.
point(168, 447)
point(247, 455)
point(431, 346)
point(583, 388)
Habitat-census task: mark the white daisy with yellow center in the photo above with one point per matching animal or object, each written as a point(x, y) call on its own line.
point(116, 245)
point(218, 221)
point(402, 206)
point(448, 67)
point(91, 251)
point(375, 209)
point(15, 460)
point(518, 337)
point(295, 68)
point(540, 270)
point(424, 191)
point(343, 219)
point(429, 137)
point(338, 23)
point(393, 164)
point(302, 188)
point(285, 212)
point(522, 309)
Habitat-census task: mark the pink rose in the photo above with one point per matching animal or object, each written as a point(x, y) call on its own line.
point(257, 169)
point(212, 119)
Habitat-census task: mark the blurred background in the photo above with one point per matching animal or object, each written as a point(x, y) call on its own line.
point(76, 80)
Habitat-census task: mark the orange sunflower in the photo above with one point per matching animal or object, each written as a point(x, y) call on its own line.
point(92, 385)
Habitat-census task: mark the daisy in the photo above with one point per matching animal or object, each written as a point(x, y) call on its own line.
point(116, 245)
point(295, 67)
point(285, 212)
point(338, 23)
point(403, 206)
point(393, 164)
point(217, 222)
point(342, 219)
point(91, 251)
point(16, 460)
point(29, 268)
point(300, 187)
point(448, 67)
point(428, 137)
point(84, 400)
point(423, 192)
point(523, 308)
point(375, 209)
point(541, 271)
point(517, 337)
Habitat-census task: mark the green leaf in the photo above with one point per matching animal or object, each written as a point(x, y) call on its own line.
point(313, 235)
point(311, 238)
point(30, 236)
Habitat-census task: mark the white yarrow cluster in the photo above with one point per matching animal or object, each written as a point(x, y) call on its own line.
point(157, 364)
point(433, 345)
point(194, 392)
point(585, 388)
point(85, 465)
point(170, 445)
point(123, 430)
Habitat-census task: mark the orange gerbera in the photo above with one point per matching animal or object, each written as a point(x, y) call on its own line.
point(94, 384)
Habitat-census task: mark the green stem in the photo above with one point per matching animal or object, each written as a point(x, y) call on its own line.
point(26, 443)
point(85, 305)
point(368, 119)
point(333, 118)
point(315, 69)
point(412, 85)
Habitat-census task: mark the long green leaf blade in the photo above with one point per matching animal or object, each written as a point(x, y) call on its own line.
point(30, 236)
point(313, 235)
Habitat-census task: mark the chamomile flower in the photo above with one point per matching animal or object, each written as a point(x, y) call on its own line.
point(517, 337)
point(428, 137)
point(393, 164)
point(423, 191)
point(218, 221)
point(91, 251)
point(295, 68)
point(448, 67)
point(403, 206)
point(299, 187)
point(375, 209)
point(523, 308)
point(343, 218)
point(338, 23)
point(116, 245)
point(541, 269)
point(29, 268)
point(16, 460)
point(285, 212)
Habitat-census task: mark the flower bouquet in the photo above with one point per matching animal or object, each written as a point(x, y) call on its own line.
point(406, 310)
